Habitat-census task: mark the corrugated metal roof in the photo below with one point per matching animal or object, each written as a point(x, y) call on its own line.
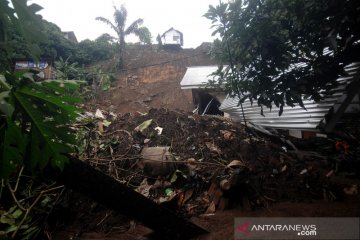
point(197, 77)
point(292, 117)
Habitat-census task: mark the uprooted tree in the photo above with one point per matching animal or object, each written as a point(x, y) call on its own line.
point(281, 52)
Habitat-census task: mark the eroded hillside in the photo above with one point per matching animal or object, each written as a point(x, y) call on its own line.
point(151, 79)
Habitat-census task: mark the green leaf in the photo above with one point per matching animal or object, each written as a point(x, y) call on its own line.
point(55, 103)
point(45, 201)
point(10, 229)
point(143, 125)
point(50, 139)
point(30, 231)
point(12, 148)
point(5, 107)
point(7, 219)
point(68, 87)
point(173, 177)
point(28, 24)
point(3, 85)
point(17, 213)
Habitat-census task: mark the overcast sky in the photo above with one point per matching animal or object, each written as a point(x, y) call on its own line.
point(159, 15)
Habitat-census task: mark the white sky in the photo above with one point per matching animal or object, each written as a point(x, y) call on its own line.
point(159, 15)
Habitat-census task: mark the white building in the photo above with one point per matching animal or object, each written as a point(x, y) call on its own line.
point(172, 37)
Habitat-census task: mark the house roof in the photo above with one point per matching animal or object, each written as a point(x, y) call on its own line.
point(197, 77)
point(71, 36)
point(172, 29)
point(315, 115)
point(181, 35)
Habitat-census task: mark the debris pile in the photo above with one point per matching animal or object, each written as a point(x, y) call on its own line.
point(197, 165)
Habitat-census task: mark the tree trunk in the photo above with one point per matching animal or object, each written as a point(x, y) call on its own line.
point(107, 191)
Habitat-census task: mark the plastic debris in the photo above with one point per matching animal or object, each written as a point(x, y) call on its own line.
point(159, 130)
point(170, 195)
point(168, 191)
point(99, 114)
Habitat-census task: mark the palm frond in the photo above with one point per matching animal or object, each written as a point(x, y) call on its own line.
point(108, 22)
point(120, 16)
point(132, 29)
point(144, 35)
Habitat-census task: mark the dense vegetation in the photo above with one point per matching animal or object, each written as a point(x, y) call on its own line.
point(35, 134)
point(280, 52)
point(51, 46)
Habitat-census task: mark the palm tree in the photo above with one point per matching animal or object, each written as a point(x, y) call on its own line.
point(120, 16)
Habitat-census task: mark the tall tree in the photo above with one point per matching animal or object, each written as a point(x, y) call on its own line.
point(89, 52)
point(280, 52)
point(26, 35)
point(119, 26)
point(56, 45)
point(20, 27)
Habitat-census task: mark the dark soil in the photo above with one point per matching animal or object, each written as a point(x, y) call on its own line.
point(275, 180)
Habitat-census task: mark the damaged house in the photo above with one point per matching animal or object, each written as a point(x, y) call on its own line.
point(206, 100)
point(335, 110)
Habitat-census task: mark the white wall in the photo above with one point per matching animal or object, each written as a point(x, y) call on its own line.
point(171, 37)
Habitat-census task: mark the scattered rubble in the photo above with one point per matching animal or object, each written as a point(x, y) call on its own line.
point(199, 165)
point(197, 152)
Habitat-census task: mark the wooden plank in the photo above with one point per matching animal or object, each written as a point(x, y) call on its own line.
point(107, 191)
